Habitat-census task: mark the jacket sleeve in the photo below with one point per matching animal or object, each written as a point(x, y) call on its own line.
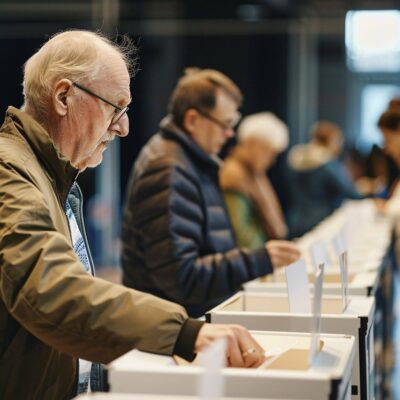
point(45, 288)
point(340, 183)
point(168, 213)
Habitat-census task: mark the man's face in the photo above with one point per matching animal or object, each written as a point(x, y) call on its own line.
point(392, 144)
point(211, 130)
point(92, 127)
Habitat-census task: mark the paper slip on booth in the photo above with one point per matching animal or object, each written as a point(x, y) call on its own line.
point(129, 396)
point(263, 311)
point(360, 261)
point(361, 284)
point(285, 375)
point(361, 226)
point(353, 233)
point(362, 257)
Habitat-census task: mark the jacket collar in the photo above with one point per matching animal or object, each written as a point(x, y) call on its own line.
point(169, 128)
point(58, 167)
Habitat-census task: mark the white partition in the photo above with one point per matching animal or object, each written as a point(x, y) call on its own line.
point(288, 378)
point(360, 284)
point(262, 311)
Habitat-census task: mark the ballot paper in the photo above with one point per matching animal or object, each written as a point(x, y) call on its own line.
point(319, 254)
point(285, 358)
point(288, 358)
point(211, 381)
point(344, 274)
point(297, 287)
point(340, 242)
point(342, 254)
point(316, 318)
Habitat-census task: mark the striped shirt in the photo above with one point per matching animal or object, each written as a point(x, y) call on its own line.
point(81, 252)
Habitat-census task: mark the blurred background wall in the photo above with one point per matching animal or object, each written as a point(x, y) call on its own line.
point(288, 57)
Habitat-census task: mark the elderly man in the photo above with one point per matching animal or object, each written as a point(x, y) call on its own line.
point(177, 238)
point(52, 310)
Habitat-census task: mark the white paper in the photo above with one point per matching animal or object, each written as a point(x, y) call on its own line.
point(297, 287)
point(316, 318)
point(211, 382)
point(344, 275)
point(319, 254)
point(340, 242)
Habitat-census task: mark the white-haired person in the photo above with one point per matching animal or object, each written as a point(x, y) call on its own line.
point(318, 181)
point(57, 320)
point(251, 200)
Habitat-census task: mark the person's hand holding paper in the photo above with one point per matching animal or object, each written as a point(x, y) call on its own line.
point(241, 349)
point(282, 253)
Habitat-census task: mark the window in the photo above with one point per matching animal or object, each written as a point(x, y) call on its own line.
point(373, 41)
point(374, 101)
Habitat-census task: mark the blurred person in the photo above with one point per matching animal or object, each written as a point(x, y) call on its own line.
point(389, 125)
point(177, 240)
point(382, 165)
point(379, 170)
point(369, 172)
point(394, 104)
point(388, 203)
point(56, 318)
point(253, 206)
point(318, 181)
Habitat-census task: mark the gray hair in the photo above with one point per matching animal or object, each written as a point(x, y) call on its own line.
point(197, 89)
point(265, 126)
point(76, 55)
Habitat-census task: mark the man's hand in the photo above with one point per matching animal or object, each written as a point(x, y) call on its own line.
point(242, 349)
point(380, 205)
point(282, 253)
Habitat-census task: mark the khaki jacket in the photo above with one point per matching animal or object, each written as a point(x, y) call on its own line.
point(51, 310)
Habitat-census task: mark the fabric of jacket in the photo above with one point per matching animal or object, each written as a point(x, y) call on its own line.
point(252, 203)
point(51, 310)
point(177, 240)
point(318, 185)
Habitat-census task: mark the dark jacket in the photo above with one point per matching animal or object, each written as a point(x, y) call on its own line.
point(177, 240)
point(318, 185)
point(51, 310)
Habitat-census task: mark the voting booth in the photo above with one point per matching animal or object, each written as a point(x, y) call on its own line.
point(287, 374)
point(370, 243)
point(262, 311)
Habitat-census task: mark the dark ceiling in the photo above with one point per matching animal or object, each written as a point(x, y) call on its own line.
point(19, 10)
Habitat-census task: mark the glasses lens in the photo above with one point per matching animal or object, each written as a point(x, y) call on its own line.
point(119, 115)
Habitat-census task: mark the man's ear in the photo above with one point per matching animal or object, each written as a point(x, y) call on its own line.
point(60, 96)
point(190, 120)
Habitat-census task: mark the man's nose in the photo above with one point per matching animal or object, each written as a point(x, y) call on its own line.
point(121, 127)
point(229, 133)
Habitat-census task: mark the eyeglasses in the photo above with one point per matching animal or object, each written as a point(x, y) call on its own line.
point(119, 111)
point(224, 125)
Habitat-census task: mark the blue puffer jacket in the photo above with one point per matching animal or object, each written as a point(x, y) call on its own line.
point(177, 240)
